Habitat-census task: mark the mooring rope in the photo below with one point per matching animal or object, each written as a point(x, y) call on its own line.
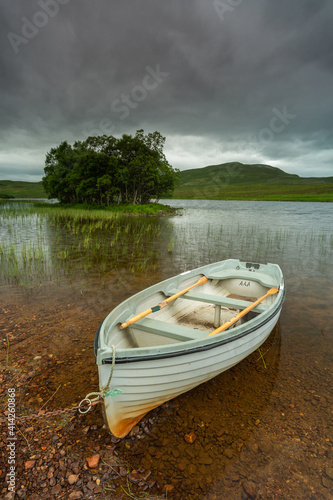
point(103, 393)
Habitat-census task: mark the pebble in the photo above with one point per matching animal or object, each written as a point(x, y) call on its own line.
point(29, 464)
point(329, 472)
point(56, 489)
point(250, 488)
point(75, 495)
point(168, 488)
point(134, 477)
point(122, 472)
point(72, 478)
point(93, 461)
point(190, 438)
point(91, 485)
point(9, 496)
point(327, 483)
point(205, 459)
point(228, 452)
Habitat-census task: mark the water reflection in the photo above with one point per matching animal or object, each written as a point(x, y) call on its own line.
point(38, 245)
point(256, 231)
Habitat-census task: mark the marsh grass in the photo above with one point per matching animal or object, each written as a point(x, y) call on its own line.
point(41, 244)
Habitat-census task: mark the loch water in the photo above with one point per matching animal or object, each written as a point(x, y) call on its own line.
point(264, 427)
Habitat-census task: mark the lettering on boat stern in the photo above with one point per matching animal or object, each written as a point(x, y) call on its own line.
point(245, 283)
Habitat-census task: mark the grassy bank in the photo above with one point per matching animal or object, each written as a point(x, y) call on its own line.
point(264, 192)
point(18, 189)
point(96, 211)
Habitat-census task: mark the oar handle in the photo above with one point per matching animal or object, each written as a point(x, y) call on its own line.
point(162, 304)
point(233, 320)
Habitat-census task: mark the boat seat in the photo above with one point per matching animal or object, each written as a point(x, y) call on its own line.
point(171, 330)
point(219, 300)
point(262, 278)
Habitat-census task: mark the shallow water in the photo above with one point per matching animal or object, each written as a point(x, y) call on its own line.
point(262, 426)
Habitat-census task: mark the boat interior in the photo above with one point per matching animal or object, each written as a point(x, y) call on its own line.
point(192, 315)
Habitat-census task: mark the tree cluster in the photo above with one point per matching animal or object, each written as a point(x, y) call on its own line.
point(103, 170)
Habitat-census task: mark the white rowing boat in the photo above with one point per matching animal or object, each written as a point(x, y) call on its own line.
point(179, 333)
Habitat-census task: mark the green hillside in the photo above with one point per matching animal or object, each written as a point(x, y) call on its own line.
point(236, 181)
point(18, 189)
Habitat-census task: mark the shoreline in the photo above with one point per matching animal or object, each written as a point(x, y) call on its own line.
point(295, 199)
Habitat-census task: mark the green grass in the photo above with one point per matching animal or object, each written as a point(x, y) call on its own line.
point(18, 189)
point(278, 192)
point(96, 211)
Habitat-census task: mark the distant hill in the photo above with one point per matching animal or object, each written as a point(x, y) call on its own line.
point(251, 182)
point(18, 189)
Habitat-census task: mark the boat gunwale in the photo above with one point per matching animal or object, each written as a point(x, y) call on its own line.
point(190, 346)
point(196, 348)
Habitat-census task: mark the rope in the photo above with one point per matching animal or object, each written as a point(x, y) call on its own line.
point(88, 400)
point(105, 391)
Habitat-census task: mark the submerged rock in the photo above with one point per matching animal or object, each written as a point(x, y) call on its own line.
point(93, 461)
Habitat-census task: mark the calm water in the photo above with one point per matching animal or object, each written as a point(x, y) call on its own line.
point(268, 429)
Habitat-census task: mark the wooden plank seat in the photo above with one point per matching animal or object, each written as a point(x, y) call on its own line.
point(220, 301)
point(171, 330)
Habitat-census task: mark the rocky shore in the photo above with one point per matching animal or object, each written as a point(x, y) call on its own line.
point(255, 432)
point(62, 453)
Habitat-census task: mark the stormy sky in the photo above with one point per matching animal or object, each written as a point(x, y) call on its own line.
point(222, 80)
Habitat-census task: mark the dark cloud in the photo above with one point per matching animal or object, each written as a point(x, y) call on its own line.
point(213, 76)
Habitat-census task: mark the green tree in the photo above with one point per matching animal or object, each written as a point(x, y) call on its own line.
point(105, 169)
point(59, 163)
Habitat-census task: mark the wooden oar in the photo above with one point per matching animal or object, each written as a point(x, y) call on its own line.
point(233, 320)
point(165, 302)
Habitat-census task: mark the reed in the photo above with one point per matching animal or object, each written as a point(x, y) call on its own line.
point(42, 243)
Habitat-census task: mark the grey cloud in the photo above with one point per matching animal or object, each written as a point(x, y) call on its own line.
point(225, 77)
